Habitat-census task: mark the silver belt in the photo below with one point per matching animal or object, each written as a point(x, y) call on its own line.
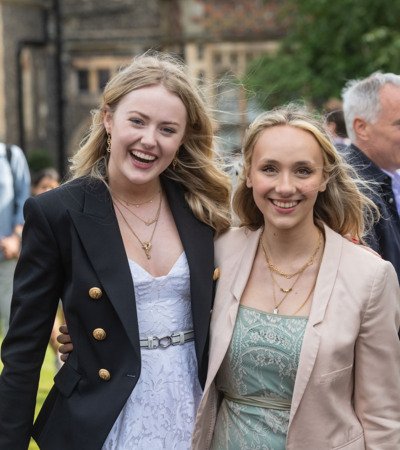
point(178, 338)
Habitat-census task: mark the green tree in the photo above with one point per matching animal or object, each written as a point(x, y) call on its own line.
point(327, 43)
point(38, 160)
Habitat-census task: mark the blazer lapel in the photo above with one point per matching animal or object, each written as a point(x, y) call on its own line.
point(241, 276)
point(323, 289)
point(98, 229)
point(198, 242)
point(223, 324)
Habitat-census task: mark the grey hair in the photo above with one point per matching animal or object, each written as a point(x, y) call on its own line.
point(361, 98)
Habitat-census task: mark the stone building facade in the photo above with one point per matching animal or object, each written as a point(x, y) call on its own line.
point(56, 56)
point(27, 72)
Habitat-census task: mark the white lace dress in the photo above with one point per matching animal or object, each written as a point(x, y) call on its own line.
point(160, 412)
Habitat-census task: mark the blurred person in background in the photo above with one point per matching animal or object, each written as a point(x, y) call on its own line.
point(372, 114)
point(337, 127)
point(45, 180)
point(14, 190)
point(334, 119)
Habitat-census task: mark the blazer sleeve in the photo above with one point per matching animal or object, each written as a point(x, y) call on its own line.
point(37, 289)
point(377, 364)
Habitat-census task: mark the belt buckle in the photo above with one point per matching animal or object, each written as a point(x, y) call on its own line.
point(165, 341)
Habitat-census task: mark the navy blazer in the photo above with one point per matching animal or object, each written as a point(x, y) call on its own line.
point(385, 236)
point(72, 243)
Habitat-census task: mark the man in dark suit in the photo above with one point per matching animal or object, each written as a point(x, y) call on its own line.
point(372, 114)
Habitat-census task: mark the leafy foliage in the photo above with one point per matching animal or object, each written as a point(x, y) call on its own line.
point(38, 160)
point(327, 43)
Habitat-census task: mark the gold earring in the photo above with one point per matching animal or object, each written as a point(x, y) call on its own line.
point(108, 142)
point(174, 162)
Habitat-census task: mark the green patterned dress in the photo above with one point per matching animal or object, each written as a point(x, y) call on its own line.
point(257, 379)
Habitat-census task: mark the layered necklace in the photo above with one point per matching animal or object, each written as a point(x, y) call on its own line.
point(136, 204)
point(147, 222)
point(146, 246)
point(297, 274)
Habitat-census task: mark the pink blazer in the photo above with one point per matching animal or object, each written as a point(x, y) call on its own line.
point(347, 388)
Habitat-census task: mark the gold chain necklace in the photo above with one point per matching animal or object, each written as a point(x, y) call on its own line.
point(285, 290)
point(308, 297)
point(276, 306)
point(136, 205)
point(147, 222)
point(288, 276)
point(145, 245)
point(299, 273)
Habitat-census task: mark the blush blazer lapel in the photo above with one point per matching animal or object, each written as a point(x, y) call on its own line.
point(242, 274)
point(99, 233)
point(227, 300)
point(323, 289)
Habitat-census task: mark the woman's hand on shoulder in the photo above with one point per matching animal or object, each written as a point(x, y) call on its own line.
point(357, 241)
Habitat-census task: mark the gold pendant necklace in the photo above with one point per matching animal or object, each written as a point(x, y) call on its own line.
point(285, 290)
point(276, 306)
point(147, 222)
point(308, 263)
point(299, 273)
point(145, 245)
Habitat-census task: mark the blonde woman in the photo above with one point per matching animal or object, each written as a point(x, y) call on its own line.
point(128, 247)
point(304, 353)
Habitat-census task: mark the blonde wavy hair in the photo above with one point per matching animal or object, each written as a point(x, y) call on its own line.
point(207, 187)
point(343, 206)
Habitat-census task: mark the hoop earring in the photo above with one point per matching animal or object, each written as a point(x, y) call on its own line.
point(108, 143)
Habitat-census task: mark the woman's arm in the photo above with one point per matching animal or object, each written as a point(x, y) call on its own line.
point(37, 289)
point(377, 364)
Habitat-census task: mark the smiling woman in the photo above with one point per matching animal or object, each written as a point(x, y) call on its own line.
point(144, 138)
point(286, 176)
point(304, 322)
point(128, 246)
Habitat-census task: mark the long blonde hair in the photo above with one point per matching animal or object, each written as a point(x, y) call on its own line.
point(207, 187)
point(342, 206)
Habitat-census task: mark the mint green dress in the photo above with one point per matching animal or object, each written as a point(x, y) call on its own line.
point(256, 379)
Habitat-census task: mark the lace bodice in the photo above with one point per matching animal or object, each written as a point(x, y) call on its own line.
point(257, 380)
point(160, 412)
